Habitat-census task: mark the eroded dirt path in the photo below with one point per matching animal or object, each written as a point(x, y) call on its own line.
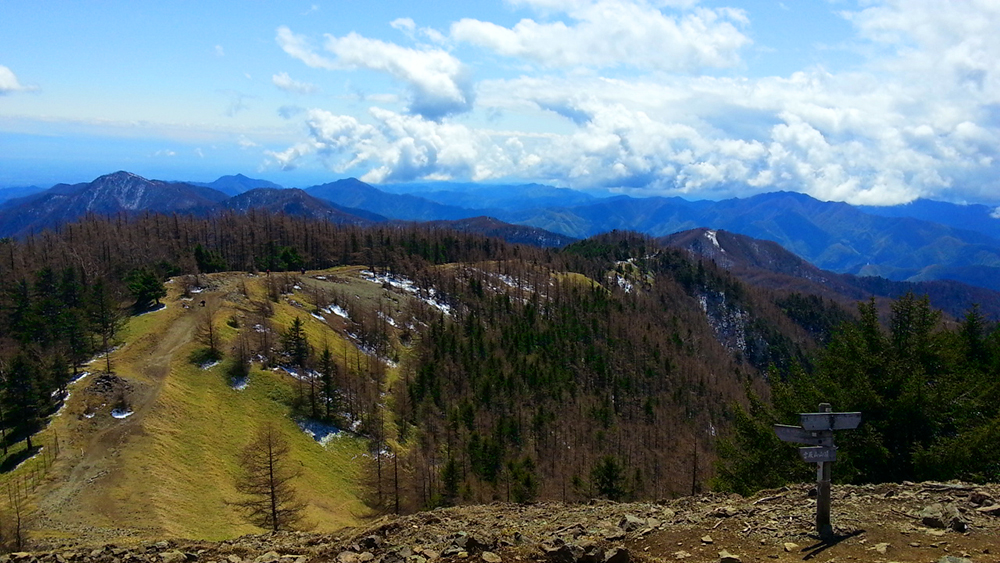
point(80, 499)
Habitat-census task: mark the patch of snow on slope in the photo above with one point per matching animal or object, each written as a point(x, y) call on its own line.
point(713, 236)
point(319, 431)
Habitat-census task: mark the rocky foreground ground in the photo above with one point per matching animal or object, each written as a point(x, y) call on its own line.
point(925, 522)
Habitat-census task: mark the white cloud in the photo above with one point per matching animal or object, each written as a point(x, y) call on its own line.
point(219, 51)
point(9, 83)
point(613, 33)
point(245, 143)
point(406, 25)
point(297, 46)
point(288, 84)
point(919, 118)
point(438, 82)
point(996, 213)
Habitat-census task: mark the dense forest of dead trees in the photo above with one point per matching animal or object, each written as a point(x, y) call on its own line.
point(604, 369)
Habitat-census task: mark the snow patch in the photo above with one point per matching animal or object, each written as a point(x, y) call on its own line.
point(337, 310)
point(240, 384)
point(408, 286)
point(209, 365)
point(320, 431)
point(713, 236)
point(121, 413)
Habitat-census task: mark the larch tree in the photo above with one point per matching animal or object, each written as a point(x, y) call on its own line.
point(267, 482)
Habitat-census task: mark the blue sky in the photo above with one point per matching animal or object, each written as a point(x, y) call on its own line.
point(871, 102)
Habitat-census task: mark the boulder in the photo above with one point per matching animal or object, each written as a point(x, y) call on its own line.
point(943, 516)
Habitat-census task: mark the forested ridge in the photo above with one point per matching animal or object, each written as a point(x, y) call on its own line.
point(609, 368)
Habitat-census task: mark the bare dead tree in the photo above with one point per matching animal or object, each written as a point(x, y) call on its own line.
point(267, 482)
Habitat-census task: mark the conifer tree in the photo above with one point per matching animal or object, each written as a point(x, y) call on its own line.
point(267, 481)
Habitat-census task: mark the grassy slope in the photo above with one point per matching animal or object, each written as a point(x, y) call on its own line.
point(171, 468)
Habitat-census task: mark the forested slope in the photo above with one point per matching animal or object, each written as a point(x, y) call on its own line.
point(503, 371)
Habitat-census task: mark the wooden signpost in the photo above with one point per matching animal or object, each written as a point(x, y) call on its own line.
point(816, 433)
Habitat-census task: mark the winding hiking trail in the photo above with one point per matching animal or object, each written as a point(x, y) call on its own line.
point(92, 486)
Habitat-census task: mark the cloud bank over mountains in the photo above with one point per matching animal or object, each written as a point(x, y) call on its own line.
point(662, 98)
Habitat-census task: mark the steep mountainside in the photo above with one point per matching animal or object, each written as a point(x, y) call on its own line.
point(767, 264)
point(514, 234)
point(121, 192)
point(297, 203)
point(833, 236)
point(350, 192)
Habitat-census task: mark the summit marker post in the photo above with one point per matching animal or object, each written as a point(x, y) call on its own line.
point(816, 432)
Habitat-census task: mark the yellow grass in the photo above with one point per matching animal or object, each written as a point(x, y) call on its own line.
point(171, 468)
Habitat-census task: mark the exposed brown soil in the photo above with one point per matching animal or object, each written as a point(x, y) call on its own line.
point(876, 523)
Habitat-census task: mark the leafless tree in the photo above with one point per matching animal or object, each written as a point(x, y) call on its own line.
point(267, 482)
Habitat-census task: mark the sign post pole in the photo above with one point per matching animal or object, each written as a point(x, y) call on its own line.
point(816, 433)
point(824, 472)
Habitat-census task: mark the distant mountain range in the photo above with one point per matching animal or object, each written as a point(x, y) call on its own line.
point(766, 264)
point(921, 241)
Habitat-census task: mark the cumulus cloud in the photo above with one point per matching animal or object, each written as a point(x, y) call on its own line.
point(920, 117)
point(439, 83)
point(611, 33)
point(288, 84)
point(9, 83)
point(399, 147)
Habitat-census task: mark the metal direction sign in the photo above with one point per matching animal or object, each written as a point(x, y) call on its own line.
point(799, 435)
point(830, 420)
point(815, 454)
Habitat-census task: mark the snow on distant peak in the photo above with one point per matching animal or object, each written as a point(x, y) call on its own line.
point(713, 236)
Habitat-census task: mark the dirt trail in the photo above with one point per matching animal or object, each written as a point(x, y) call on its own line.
point(76, 502)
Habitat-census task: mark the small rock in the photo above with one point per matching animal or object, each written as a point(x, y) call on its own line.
point(653, 522)
point(173, 557)
point(363, 558)
point(669, 514)
point(617, 555)
point(726, 557)
point(914, 544)
point(953, 559)
point(490, 557)
point(614, 534)
point(233, 558)
point(882, 548)
point(371, 542)
point(979, 499)
point(631, 523)
point(681, 555)
point(431, 554)
point(790, 547)
point(724, 512)
point(707, 540)
point(343, 557)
